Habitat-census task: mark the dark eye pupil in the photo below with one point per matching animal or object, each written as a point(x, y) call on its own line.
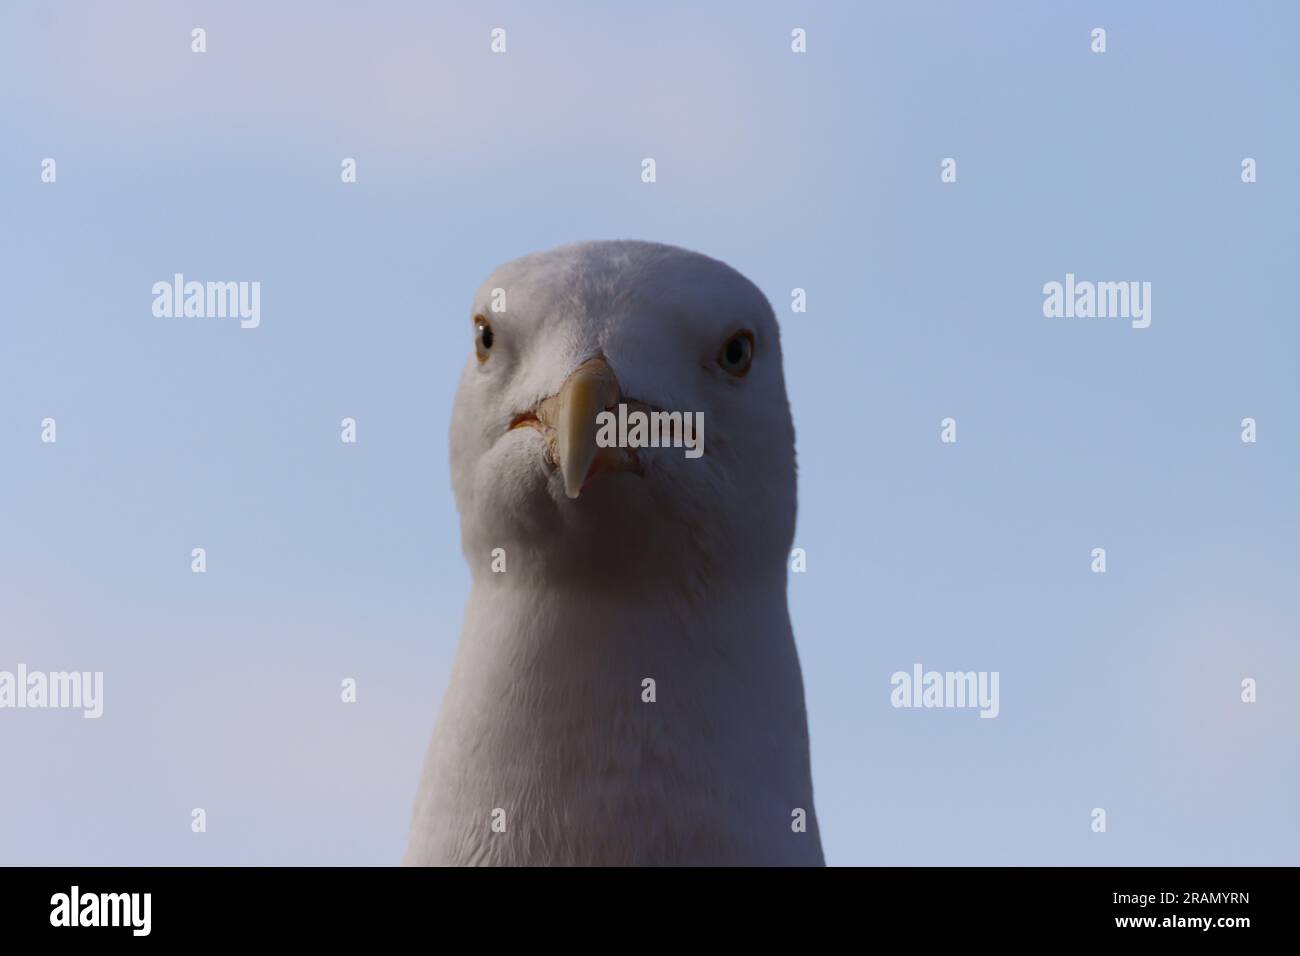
point(735, 351)
point(485, 335)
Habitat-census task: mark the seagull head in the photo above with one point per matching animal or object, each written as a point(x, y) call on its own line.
point(557, 338)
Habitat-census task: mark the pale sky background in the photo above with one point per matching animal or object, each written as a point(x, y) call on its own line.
point(821, 171)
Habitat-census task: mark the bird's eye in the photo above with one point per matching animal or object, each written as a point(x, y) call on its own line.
point(483, 337)
point(737, 354)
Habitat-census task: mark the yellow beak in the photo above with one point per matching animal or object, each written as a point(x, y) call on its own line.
point(589, 390)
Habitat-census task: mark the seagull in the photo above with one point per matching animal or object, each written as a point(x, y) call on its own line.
point(626, 691)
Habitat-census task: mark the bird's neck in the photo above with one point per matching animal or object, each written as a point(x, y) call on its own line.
point(688, 716)
point(549, 637)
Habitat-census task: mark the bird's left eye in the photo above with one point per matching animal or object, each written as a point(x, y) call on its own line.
point(737, 354)
point(483, 337)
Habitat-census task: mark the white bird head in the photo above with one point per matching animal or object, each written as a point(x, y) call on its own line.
point(558, 337)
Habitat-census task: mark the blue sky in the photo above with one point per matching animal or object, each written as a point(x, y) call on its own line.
point(818, 171)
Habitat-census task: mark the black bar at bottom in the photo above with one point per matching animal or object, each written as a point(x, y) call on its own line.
point(211, 905)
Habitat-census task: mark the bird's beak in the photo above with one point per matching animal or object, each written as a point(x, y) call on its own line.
point(571, 413)
point(567, 423)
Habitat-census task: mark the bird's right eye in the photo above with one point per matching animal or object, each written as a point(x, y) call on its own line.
point(483, 337)
point(737, 354)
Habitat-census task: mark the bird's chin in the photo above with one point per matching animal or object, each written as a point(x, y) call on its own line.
point(604, 462)
point(614, 471)
point(530, 449)
point(608, 494)
point(628, 509)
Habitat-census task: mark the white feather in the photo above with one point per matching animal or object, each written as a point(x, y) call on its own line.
point(677, 575)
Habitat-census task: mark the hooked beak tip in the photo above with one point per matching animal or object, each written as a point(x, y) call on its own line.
point(589, 390)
